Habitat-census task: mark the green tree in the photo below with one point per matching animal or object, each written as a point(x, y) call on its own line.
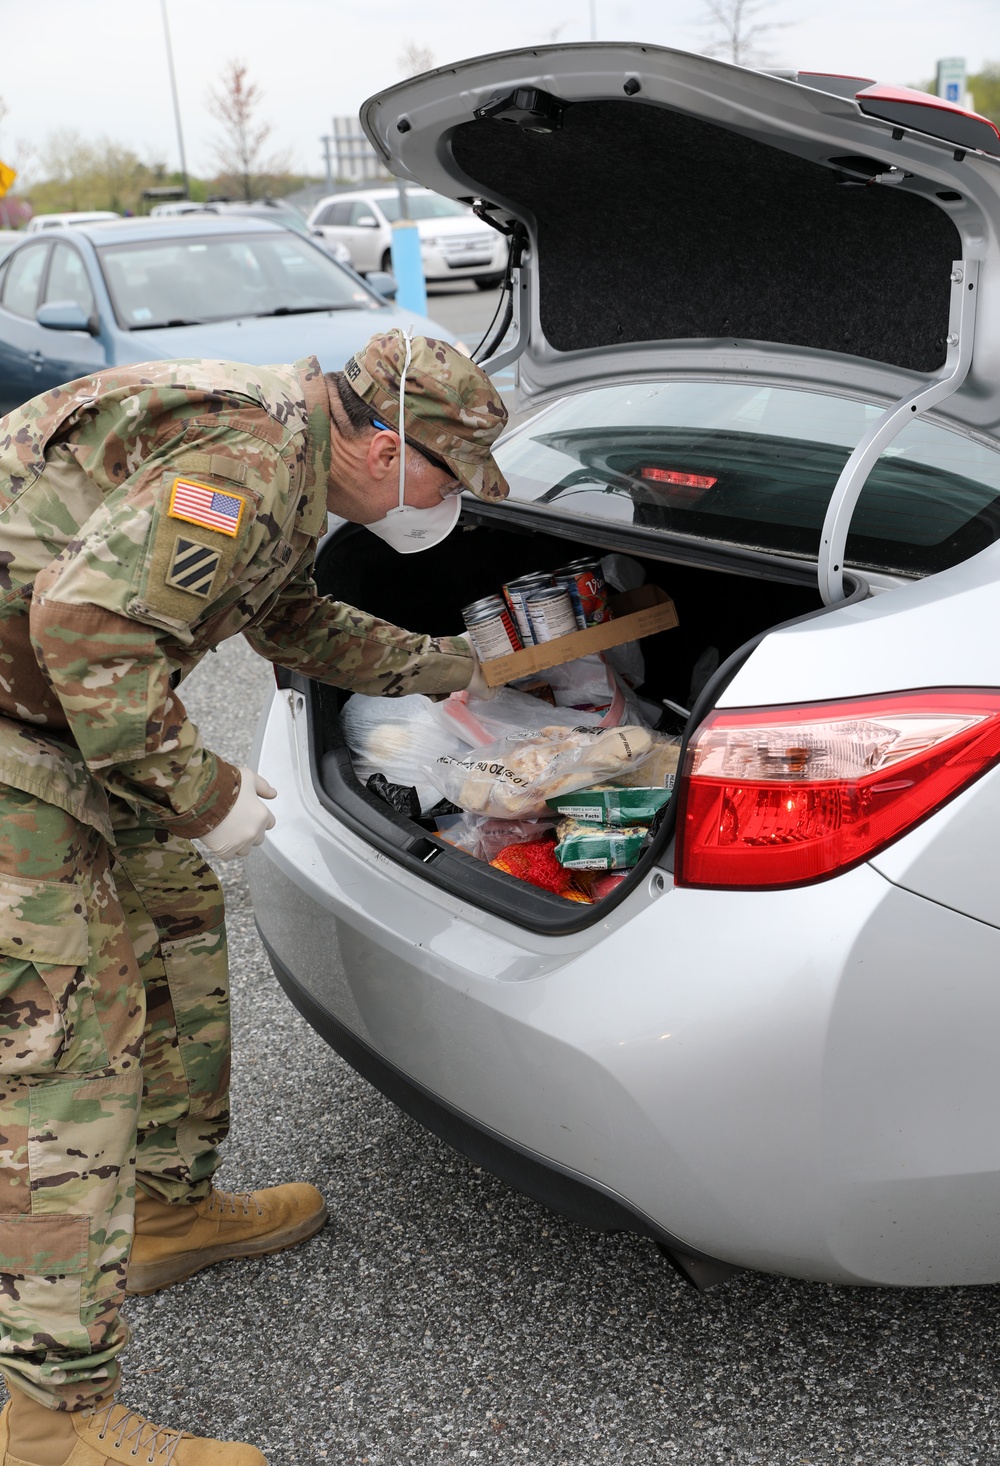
point(985, 89)
point(79, 173)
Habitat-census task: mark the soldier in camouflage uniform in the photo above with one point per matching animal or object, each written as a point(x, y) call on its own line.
point(146, 514)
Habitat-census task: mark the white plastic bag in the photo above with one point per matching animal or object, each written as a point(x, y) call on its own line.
point(514, 776)
point(587, 682)
point(399, 737)
point(623, 573)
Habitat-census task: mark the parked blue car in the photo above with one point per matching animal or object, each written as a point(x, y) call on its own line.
point(73, 301)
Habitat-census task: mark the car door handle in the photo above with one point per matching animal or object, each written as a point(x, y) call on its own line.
point(37, 359)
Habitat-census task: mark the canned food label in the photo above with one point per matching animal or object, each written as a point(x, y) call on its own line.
point(493, 638)
point(552, 617)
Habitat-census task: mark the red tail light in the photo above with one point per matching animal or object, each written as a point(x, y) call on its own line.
point(787, 795)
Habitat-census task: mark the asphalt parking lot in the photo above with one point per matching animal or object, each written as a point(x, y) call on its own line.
point(441, 1317)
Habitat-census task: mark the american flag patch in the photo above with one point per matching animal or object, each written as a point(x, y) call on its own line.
point(201, 504)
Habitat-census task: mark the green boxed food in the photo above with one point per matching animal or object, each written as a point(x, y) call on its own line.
point(607, 804)
point(603, 847)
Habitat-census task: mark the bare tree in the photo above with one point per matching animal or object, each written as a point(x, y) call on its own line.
point(414, 58)
point(239, 151)
point(737, 34)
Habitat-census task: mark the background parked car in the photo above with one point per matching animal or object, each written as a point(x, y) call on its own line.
point(275, 209)
point(454, 244)
point(238, 289)
point(60, 221)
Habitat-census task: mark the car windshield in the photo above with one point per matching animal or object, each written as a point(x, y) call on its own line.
point(293, 221)
point(421, 206)
point(166, 282)
point(755, 466)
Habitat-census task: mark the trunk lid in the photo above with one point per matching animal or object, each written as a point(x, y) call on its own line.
point(688, 217)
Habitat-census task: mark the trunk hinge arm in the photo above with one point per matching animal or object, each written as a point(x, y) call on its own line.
point(520, 322)
point(847, 492)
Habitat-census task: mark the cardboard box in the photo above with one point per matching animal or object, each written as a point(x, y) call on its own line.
point(637, 613)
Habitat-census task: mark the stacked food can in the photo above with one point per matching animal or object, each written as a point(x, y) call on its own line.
point(537, 608)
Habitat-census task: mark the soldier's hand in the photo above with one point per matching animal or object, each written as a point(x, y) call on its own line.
point(477, 683)
point(247, 822)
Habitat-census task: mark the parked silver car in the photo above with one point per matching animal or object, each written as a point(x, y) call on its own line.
point(454, 244)
point(774, 1046)
point(276, 210)
point(74, 301)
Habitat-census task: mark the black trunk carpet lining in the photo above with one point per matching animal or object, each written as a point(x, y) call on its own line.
point(653, 225)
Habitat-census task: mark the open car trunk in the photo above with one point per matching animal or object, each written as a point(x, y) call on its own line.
point(722, 610)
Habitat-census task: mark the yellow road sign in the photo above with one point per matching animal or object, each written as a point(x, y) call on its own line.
point(7, 176)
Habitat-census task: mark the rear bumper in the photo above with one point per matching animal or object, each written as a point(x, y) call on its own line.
point(551, 1185)
point(782, 1080)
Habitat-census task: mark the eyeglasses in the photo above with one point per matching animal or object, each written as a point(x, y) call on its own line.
point(458, 486)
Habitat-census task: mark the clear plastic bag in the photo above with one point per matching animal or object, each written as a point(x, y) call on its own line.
point(484, 837)
point(398, 737)
point(514, 776)
point(507, 714)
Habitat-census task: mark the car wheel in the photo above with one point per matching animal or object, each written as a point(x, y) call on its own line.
point(387, 262)
point(488, 282)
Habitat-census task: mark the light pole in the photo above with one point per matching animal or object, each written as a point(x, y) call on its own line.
point(173, 89)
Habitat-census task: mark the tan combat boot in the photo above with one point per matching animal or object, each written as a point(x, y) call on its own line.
point(32, 1435)
point(173, 1242)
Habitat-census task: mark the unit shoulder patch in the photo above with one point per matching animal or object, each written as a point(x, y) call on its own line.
point(199, 503)
point(192, 567)
point(189, 558)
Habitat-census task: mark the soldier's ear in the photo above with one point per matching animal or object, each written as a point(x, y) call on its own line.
point(383, 454)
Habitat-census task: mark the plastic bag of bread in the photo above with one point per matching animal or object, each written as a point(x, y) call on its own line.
point(658, 770)
point(513, 777)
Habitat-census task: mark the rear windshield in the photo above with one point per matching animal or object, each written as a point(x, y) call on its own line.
point(180, 282)
point(756, 466)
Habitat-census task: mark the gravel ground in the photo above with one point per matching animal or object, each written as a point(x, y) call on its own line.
point(441, 1317)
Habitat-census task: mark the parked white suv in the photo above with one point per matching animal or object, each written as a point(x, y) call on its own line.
point(775, 387)
point(59, 221)
point(454, 244)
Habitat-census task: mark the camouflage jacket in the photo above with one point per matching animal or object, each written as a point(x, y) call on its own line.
point(147, 513)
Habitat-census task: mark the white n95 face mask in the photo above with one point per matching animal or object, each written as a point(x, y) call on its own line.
point(406, 528)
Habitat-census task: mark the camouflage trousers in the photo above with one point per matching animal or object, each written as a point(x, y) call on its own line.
point(114, 1068)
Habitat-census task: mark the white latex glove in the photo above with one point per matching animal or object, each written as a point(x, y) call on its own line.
point(246, 823)
point(477, 684)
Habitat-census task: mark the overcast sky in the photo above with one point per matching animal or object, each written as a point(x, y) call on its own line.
point(99, 66)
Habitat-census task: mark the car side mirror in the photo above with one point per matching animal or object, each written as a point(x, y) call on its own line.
point(382, 283)
point(63, 315)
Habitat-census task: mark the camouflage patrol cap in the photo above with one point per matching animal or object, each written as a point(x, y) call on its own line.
point(452, 408)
